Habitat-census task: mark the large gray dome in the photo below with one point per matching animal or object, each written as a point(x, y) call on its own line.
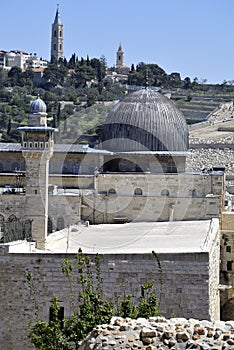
point(145, 120)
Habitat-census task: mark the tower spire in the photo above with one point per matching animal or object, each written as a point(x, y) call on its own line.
point(57, 16)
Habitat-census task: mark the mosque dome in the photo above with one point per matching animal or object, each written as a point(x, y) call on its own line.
point(38, 107)
point(145, 120)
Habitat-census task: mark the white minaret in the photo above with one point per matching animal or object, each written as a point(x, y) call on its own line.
point(57, 38)
point(37, 149)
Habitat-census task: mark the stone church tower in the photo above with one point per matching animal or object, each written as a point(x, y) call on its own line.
point(57, 38)
point(119, 57)
point(37, 149)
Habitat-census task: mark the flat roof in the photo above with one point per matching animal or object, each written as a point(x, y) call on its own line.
point(81, 148)
point(135, 237)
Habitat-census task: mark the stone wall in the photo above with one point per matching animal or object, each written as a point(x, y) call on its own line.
point(163, 197)
point(184, 292)
point(227, 265)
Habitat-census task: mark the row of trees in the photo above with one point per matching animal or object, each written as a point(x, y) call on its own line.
point(153, 75)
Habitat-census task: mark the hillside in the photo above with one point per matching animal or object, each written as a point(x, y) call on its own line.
point(196, 106)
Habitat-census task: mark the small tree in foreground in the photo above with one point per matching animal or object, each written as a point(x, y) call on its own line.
point(90, 306)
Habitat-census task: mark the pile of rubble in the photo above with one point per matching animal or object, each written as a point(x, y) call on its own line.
point(205, 158)
point(160, 333)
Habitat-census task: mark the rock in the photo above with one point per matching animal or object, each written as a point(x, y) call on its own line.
point(199, 330)
point(161, 334)
point(184, 336)
point(147, 332)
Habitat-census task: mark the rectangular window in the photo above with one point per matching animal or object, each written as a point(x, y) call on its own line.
point(228, 249)
point(229, 265)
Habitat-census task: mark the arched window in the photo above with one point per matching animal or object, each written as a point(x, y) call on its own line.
point(60, 223)
point(165, 193)
point(111, 191)
point(55, 33)
point(12, 218)
point(138, 191)
point(171, 167)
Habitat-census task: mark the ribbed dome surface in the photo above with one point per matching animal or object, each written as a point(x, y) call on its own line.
point(145, 120)
point(38, 106)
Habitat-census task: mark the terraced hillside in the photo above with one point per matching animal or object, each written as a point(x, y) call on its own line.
point(197, 107)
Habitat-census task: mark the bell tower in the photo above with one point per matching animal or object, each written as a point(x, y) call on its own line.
point(57, 38)
point(37, 149)
point(119, 57)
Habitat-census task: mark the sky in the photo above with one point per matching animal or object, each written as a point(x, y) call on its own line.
point(192, 37)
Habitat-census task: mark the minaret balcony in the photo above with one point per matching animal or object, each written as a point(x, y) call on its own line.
point(37, 145)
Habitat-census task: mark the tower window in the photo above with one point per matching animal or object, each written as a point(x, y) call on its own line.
point(55, 33)
point(54, 46)
point(229, 265)
point(60, 33)
point(228, 249)
point(60, 47)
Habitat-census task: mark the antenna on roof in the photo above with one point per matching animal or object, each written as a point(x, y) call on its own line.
point(147, 78)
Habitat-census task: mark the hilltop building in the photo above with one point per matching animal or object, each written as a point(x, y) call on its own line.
point(21, 59)
point(120, 68)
